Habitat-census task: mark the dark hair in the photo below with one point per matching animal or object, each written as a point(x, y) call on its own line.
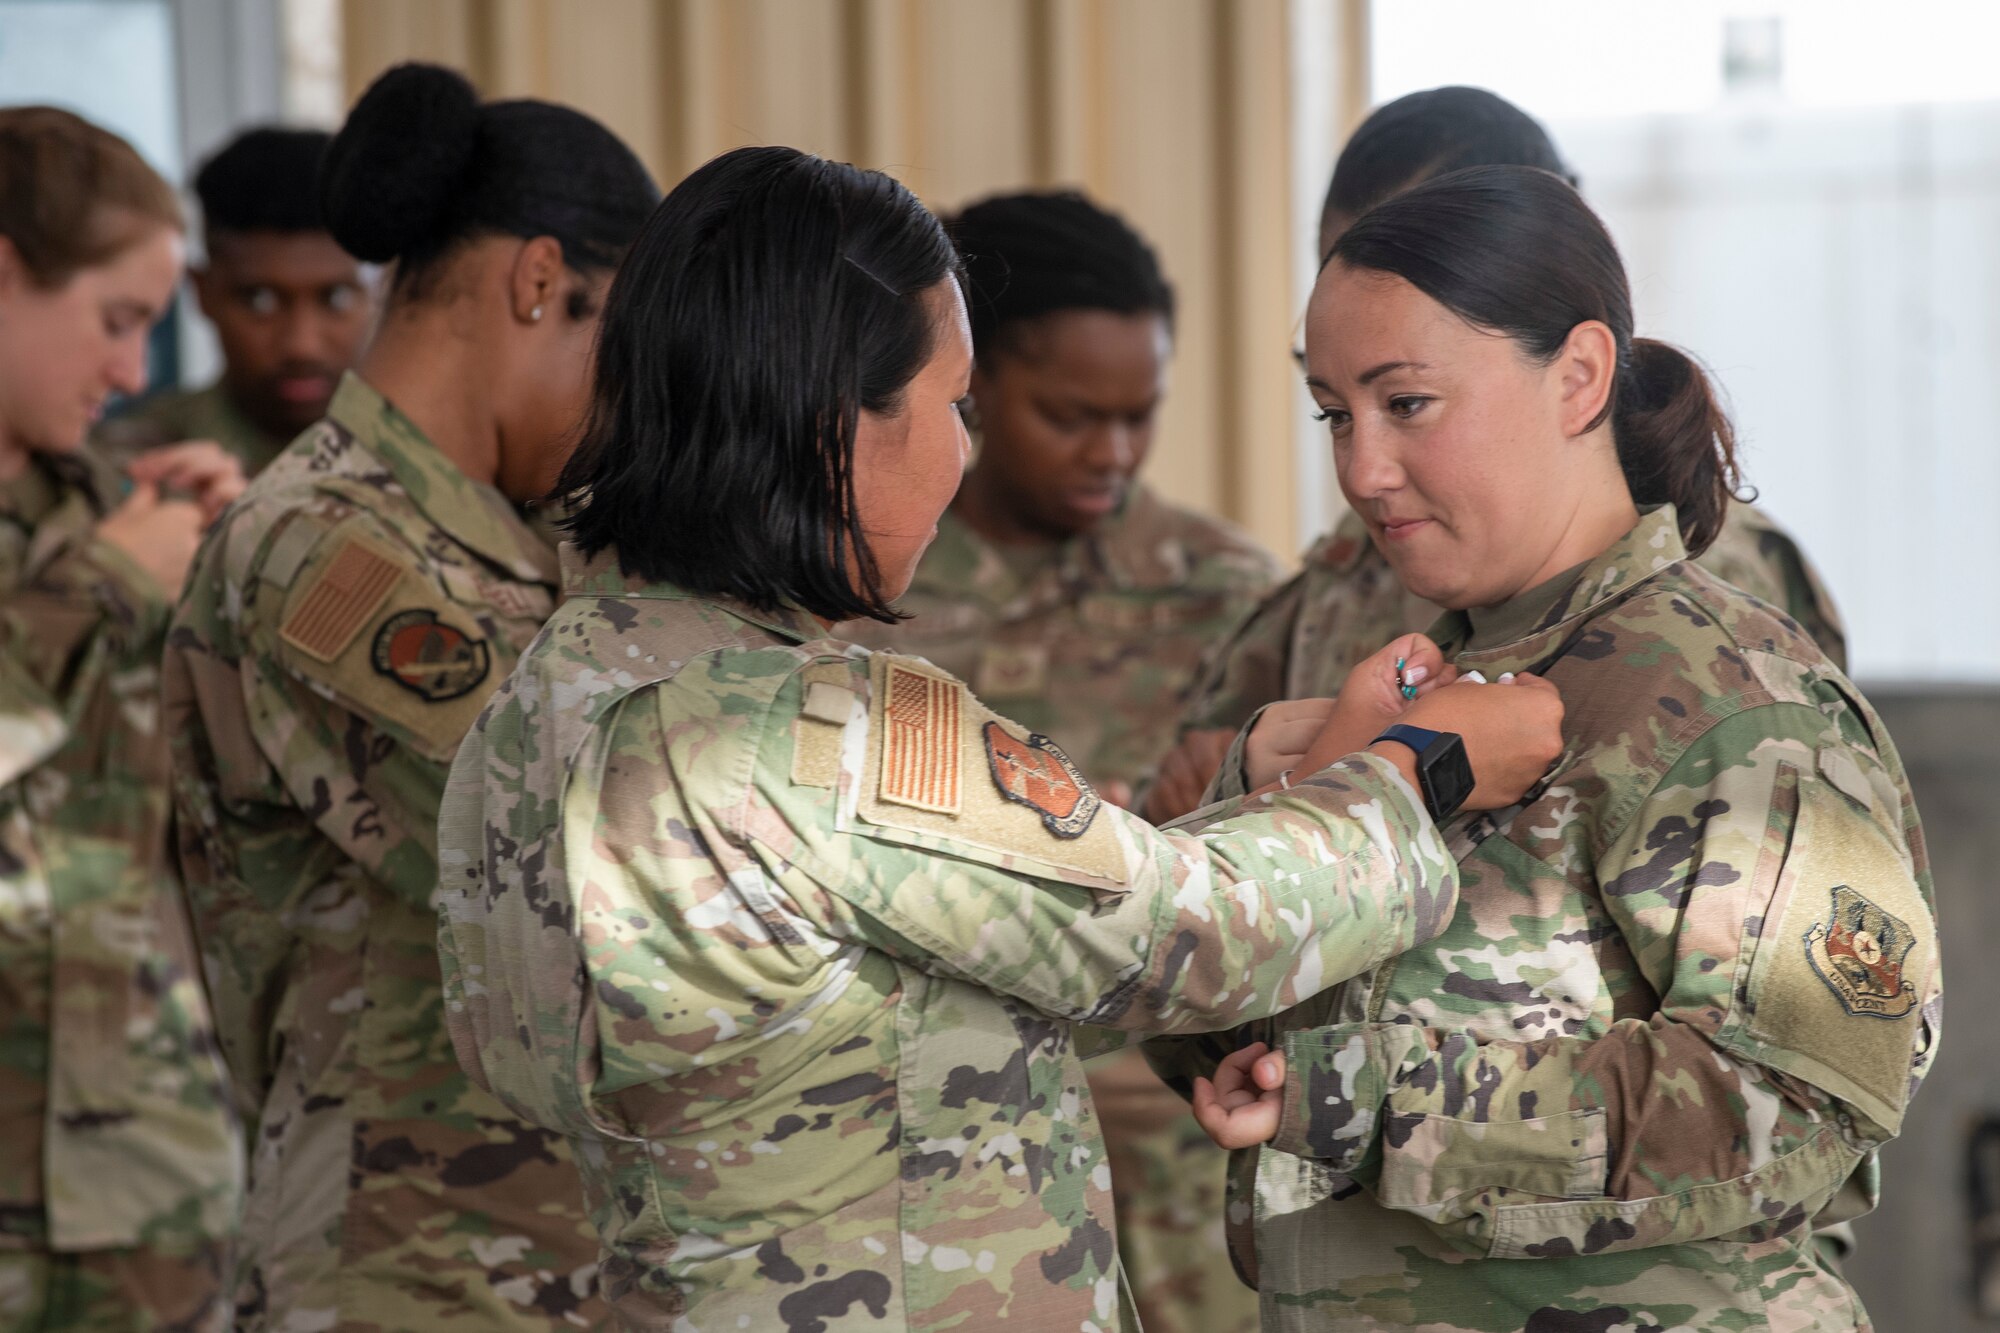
point(265, 179)
point(1028, 255)
point(772, 298)
point(1517, 251)
point(422, 165)
point(72, 195)
point(1429, 133)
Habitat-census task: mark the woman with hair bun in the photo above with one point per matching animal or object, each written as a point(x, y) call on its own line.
point(344, 626)
point(120, 1163)
point(1692, 980)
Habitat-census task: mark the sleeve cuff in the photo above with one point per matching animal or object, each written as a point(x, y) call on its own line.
point(1336, 1082)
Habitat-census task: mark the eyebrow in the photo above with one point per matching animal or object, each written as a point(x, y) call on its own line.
point(1374, 373)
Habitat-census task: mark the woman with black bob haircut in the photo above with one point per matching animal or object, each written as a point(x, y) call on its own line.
point(1692, 983)
point(788, 937)
point(344, 625)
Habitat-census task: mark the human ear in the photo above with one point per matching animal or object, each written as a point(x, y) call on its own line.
point(535, 284)
point(1586, 372)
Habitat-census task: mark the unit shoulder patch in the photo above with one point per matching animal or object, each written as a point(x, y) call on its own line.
point(429, 658)
point(1036, 773)
point(1858, 951)
point(339, 601)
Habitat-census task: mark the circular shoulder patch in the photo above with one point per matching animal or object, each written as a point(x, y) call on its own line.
point(429, 658)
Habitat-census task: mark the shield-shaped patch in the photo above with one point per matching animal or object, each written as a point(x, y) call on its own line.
point(1858, 952)
point(1037, 774)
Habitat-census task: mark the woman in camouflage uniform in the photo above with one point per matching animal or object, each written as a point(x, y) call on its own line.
point(1346, 602)
point(788, 937)
point(346, 622)
point(120, 1165)
point(1692, 981)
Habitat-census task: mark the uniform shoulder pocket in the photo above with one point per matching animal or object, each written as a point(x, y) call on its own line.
point(361, 623)
point(1836, 971)
point(941, 771)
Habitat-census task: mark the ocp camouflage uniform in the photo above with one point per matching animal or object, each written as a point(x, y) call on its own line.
point(1689, 990)
point(791, 938)
point(343, 626)
point(1095, 645)
point(120, 1161)
point(189, 414)
point(1347, 602)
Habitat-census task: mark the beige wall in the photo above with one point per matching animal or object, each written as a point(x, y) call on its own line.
point(1173, 111)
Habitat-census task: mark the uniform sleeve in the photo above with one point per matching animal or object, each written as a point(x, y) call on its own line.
point(1773, 893)
point(1088, 913)
point(286, 783)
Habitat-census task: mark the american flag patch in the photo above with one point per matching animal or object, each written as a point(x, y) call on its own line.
point(923, 758)
point(339, 602)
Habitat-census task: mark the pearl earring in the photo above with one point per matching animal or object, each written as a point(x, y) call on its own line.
point(535, 315)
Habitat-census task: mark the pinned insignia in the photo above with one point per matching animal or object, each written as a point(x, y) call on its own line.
point(1859, 954)
point(922, 751)
point(1037, 774)
point(429, 658)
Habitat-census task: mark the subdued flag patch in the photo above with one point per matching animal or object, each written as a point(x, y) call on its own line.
point(922, 749)
point(339, 602)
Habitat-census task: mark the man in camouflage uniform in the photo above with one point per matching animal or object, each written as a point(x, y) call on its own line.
point(1689, 990)
point(791, 939)
point(120, 1161)
point(344, 625)
point(289, 307)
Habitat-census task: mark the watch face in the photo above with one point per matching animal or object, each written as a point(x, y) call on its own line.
point(1447, 776)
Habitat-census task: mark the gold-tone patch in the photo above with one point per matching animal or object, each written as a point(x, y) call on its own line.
point(340, 601)
point(922, 746)
point(1858, 952)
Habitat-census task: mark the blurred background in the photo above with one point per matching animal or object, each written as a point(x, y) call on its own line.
point(1807, 193)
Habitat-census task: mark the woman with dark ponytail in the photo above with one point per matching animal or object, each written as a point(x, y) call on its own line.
point(343, 626)
point(1692, 980)
point(1346, 602)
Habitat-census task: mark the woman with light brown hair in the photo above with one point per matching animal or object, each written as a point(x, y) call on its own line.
point(119, 1161)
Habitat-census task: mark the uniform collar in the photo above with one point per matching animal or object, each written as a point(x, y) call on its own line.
point(213, 415)
point(475, 514)
point(1526, 632)
point(601, 575)
point(49, 479)
point(1132, 548)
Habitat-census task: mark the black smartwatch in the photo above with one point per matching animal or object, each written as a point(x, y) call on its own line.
point(1443, 773)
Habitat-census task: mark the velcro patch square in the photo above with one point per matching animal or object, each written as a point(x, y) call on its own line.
point(923, 758)
point(339, 602)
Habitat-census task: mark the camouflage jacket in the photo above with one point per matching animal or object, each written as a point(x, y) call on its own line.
point(188, 414)
point(1691, 986)
point(116, 1129)
point(1346, 603)
point(791, 937)
point(1098, 646)
point(344, 624)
